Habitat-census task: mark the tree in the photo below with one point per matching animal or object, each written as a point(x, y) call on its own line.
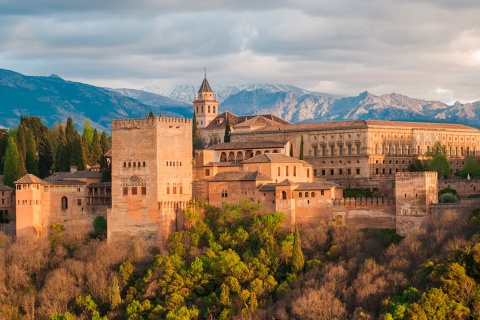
point(196, 139)
point(45, 155)
point(226, 138)
point(31, 160)
point(440, 165)
point(12, 161)
point(301, 149)
point(104, 143)
point(105, 169)
point(95, 153)
point(416, 166)
point(77, 155)
point(100, 226)
point(471, 168)
point(70, 132)
point(297, 255)
point(87, 132)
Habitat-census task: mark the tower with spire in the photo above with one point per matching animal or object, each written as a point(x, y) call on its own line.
point(205, 105)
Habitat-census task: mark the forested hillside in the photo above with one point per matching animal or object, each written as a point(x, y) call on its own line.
point(233, 263)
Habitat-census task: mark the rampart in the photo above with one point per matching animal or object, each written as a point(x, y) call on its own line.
point(464, 187)
point(145, 122)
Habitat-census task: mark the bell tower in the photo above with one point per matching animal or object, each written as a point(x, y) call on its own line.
point(205, 105)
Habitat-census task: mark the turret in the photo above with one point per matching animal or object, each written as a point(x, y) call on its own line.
point(205, 105)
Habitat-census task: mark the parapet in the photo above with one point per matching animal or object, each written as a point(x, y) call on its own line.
point(415, 175)
point(137, 123)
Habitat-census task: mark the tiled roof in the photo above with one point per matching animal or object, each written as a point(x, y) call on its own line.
point(5, 188)
point(100, 185)
point(109, 153)
point(73, 175)
point(205, 87)
point(223, 164)
point(268, 187)
point(219, 121)
point(67, 182)
point(286, 182)
point(29, 178)
point(274, 157)
point(248, 145)
point(356, 124)
point(256, 121)
point(240, 176)
point(316, 186)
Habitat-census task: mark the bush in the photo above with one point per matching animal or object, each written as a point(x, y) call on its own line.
point(100, 226)
point(474, 196)
point(447, 190)
point(475, 215)
point(447, 198)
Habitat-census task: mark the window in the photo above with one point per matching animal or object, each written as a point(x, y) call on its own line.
point(308, 173)
point(144, 190)
point(208, 109)
point(340, 150)
point(125, 191)
point(79, 202)
point(323, 172)
point(129, 164)
point(286, 171)
point(168, 189)
point(315, 151)
point(332, 172)
point(294, 171)
point(332, 151)
point(134, 164)
point(64, 203)
point(174, 189)
point(349, 171)
point(207, 172)
point(124, 164)
point(340, 171)
point(358, 170)
point(349, 149)
point(312, 194)
point(324, 151)
point(224, 193)
point(299, 194)
point(284, 195)
point(144, 163)
point(322, 192)
point(279, 171)
point(181, 190)
point(213, 109)
point(306, 194)
point(134, 190)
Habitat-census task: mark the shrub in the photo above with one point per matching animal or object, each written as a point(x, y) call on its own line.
point(100, 226)
point(447, 198)
point(447, 190)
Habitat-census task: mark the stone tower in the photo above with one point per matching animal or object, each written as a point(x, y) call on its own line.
point(205, 105)
point(151, 177)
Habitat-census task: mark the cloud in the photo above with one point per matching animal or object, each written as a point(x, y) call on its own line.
point(348, 46)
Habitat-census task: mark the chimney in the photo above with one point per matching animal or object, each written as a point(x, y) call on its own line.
point(73, 169)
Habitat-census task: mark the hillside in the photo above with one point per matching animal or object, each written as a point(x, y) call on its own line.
point(54, 99)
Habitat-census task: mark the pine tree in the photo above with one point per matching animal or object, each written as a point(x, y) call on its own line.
point(301, 149)
point(297, 255)
point(226, 138)
point(12, 160)
point(95, 152)
point(104, 143)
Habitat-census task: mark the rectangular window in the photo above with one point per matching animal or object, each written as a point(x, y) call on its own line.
point(349, 171)
point(207, 172)
point(332, 151)
point(456, 151)
point(134, 190)
point(349, 149)
point(79, 202)
point(144, 190)
point(286, 171)
point(315, 172)
point(294, 171)
point(358, 170)
point(376, 149)
point(279, 171)
point(125, 191)
point(340, 171)
point(324, 151)
point(332, 173)
point(322, 192)
point(323, 172)
point(383, 149)
point(315, 151)
point(308, 173)
point(340, 150)
point(449, 151)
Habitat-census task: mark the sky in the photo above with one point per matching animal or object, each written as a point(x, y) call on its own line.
point(423, 49)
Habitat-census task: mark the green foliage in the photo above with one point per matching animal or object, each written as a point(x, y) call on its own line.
point(471, 167)
point(301, 149)
point(104, 143)
point(226, 137)
point(57, 227)
point(447, 198)
point(447, 190)
point(12, 159)
point(77, 155)
point(359, 193)
point(114, 297)
point(417, 166)
point(297, 255)
point(440, 164)
point(95, 150)
point(105, 169)
point(475, 214)
point(65, 316)
point(100, 226)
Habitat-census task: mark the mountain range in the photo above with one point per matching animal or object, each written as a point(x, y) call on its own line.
point(54, 99)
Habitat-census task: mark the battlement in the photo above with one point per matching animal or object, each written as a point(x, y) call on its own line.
point(119, 124)
point(370, 201)
point(415, 175)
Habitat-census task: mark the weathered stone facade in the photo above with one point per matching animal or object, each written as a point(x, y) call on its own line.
point(151, 177)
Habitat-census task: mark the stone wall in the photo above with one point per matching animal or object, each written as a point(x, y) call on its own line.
point(463, 186)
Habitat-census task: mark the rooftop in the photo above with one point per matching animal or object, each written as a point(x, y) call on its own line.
point(29, 178)
point(234, 120)
point(248, 145)
point(275, 157)
point(240, 176)
point(73, 175)
point(205, 86)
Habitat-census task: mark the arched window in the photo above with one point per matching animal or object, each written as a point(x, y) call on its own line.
point(306, 194)
point(138, 165)
point(223, 157)
point(64, 203)
point(181, 190)
point(167, 163)
point(144, 163)
point(124, 164)
point(213, 109)
point(208, 109)
point(134, 164)
point(312, 194)
point(129, 164)
point(168, 190)
point(284, 195)
point(299, 194)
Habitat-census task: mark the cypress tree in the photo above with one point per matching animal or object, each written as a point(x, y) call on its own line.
point(70, 132)
point(301, 149)
point(31, 161)
point(226, 138)
point(77, 154)
point(95, 152)
point(105, 169)
point(87, 132)
point(297, 255)
point(194, 129)
point(104, 143)
point(22, 141)
point(12, 160)
point(45, 155)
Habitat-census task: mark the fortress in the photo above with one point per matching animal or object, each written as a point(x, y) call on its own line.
point(156, 175)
